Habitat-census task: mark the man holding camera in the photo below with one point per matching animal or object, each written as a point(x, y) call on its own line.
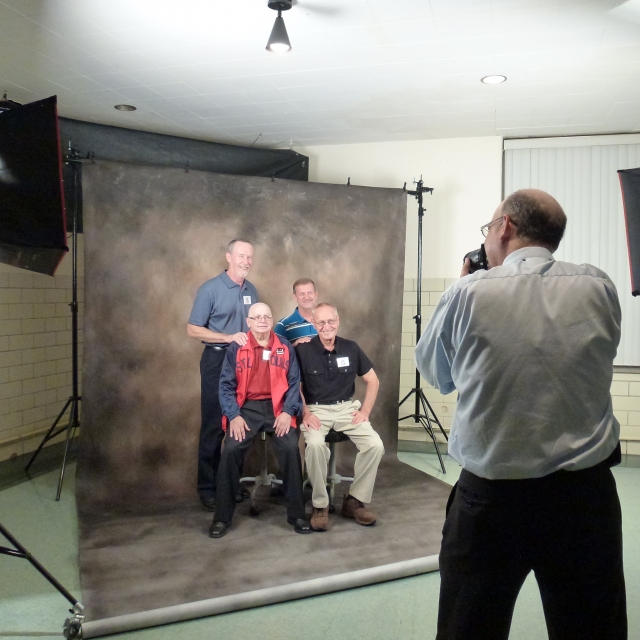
point(529, 346)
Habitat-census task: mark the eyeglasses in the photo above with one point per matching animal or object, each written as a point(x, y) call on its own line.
point(331, 323)
point(258, 318)
point(484, 229)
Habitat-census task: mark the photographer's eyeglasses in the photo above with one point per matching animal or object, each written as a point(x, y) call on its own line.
point(258, 318)
point(331, 323)
point(484, 229)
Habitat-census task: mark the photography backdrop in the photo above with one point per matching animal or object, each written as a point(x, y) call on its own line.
point(152, 236)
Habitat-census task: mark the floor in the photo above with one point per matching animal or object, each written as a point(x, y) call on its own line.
point(405, 609)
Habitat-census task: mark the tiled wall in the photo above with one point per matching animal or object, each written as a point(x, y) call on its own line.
point(35, 356)
point(35, 363)
point(625, 388)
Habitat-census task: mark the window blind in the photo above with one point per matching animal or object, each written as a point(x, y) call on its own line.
point(581, 174)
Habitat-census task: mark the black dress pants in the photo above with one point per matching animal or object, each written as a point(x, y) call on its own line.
point(211, 433)
point(258, 414)
point(565, 527)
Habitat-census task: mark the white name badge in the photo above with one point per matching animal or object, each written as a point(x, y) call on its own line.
point(266, 354)
point(343, 362)
point(247, 299)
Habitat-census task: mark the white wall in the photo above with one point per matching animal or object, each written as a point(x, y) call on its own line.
point(465, 173)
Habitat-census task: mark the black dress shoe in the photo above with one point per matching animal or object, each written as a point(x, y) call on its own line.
point(208, 504)
point(218, 529)
point(242, 495)
point(300, 525)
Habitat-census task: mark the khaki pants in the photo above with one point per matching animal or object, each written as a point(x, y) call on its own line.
point(368, 442)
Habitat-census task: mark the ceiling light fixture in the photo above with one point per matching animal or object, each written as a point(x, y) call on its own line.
point(493, 79)
point(125, 107)
point(279, 40)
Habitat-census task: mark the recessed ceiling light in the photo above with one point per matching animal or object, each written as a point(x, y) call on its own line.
point(125, 107)
point(493, 79)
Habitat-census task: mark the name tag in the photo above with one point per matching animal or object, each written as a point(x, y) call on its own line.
point(343, 362)
point(247, 299)
point(266, 354)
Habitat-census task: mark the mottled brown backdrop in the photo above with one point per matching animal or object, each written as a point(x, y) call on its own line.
point(152, 236)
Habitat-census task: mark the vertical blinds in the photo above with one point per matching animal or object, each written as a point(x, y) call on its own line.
point(581, 174)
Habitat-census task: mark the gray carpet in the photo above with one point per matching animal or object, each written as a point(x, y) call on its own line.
point(139, 562)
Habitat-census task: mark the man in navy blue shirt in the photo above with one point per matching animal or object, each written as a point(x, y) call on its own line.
point(298, 327)
point(218, 318)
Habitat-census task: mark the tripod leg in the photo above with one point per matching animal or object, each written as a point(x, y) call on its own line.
point(428, 411)
point(25, 554)
point(405, 398)
point(73, 422)
point(429, 429)
point(47, 435)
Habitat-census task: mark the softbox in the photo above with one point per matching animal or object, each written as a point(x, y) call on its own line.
point(32, 220)
point(630, 185)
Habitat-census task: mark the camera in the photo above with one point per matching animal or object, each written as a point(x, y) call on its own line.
point(478, 259)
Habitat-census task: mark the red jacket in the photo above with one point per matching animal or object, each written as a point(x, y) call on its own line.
point(284, 373)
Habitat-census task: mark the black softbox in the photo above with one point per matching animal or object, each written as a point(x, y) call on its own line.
point(32, 220)
point(630, 185)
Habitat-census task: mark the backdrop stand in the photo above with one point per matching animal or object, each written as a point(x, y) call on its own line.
point(423, 412)
point(72, 625)
point(72, 158)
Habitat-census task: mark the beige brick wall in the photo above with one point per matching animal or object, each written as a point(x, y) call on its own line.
point(35, 362)
point(625, 388)
point(35, 355)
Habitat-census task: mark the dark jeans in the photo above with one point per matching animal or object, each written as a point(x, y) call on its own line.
point(565, 527)
point(258, 414)
point(211, 433)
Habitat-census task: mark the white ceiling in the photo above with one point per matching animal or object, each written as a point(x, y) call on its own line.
point(359, 71)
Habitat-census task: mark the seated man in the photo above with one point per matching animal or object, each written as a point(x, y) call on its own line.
point(329, 366)
point(298, 327)
point(259, 391)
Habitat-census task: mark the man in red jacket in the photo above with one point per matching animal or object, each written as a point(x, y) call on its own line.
point(260, 391)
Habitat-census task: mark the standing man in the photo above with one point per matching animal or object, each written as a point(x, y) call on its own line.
point(260, 391)
point(329, 366)
point(218, 319)
point(298, 327)
point(529, 346)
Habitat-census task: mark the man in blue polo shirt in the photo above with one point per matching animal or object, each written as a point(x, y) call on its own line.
point(218, 318)
point(298, 327)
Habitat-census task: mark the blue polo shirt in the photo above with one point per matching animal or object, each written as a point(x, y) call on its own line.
point(221, 305)
point(294, 326)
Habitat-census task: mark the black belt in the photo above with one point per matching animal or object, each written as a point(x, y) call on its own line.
point(330, 403)
point(215, 346)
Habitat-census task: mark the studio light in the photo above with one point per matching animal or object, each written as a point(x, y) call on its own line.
point(279, 39)
point(493, 79)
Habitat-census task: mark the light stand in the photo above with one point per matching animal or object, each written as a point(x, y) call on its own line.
point(73, 159)
point(423, 411)
point(72, 626)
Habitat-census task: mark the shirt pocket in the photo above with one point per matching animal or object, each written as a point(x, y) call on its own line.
point(348, 369)
point(314, 371)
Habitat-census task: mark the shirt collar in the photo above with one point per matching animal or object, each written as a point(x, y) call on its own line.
point(527, 253)
point(320, 348)
point(253, 343)
point(230, 283)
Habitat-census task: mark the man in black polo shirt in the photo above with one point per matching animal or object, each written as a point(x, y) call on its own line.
point(329, 366)
point(218, 318)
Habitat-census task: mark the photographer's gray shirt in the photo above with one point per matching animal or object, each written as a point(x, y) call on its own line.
point(221, 305)
point(529, 346)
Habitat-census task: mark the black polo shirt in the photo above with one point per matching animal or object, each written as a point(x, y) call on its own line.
point(330, 376)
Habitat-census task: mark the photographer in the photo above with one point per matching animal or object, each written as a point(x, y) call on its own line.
point(529, 346)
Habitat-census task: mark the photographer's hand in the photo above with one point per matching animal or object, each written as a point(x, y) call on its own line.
point(465, 268)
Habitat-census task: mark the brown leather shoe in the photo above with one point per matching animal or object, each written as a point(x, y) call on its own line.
point(320, 519)
point(353, 508)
